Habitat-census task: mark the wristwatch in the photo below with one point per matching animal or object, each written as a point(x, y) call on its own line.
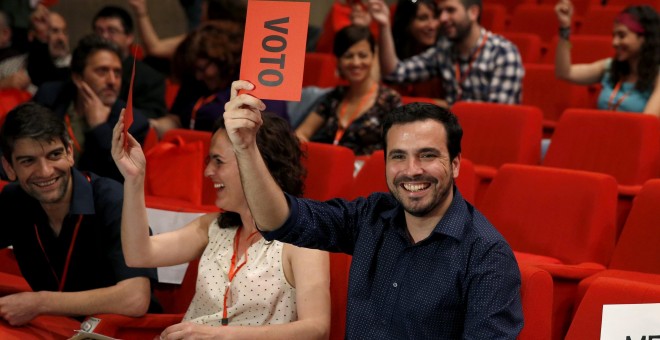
point(565, 33)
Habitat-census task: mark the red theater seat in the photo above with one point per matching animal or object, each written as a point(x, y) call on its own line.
point(329, 171)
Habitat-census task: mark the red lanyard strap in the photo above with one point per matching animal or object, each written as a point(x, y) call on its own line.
point(65, 271)
point(200, 102)
point(472, 60)
point(342, 113)
point(611, 105)
point(233, 269)
point(69, 129)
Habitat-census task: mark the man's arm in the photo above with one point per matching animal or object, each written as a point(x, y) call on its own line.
point(494, 309)
point(129, 297)
point(506, 83)
point(243, 119)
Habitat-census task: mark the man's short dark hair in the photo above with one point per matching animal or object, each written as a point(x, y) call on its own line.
point(116, 12)
point(478, 3)
point(87, 46)
point(31, 120)
point(416, 112)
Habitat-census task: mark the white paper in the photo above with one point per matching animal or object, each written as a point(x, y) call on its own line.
point(631, 321)
point(162, 221)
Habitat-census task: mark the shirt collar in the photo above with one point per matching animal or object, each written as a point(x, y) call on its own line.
point(452, 224)
point(82, 197)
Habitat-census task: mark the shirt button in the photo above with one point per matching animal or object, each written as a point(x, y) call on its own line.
point(394, 285)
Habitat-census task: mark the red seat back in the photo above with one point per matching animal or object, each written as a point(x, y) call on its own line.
point(624, 145)
point(320, 70)
point(536, 295)
point(494, 134)
point(329, 171)
point(564, 214)
point(584, 49)
point(605, 291)
point(636, 249)
point(529, 46)
point(536, 19)
point(599, 20)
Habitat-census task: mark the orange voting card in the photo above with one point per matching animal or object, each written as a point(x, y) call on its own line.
point(274, 48)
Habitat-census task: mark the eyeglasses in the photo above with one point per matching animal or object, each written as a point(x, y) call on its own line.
point(110, 31)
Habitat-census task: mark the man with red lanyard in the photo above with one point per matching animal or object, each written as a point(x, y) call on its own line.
point(90, 104)
point(473, 63)
point(64, 226)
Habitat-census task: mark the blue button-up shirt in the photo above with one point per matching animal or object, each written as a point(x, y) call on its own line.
point(460, 282)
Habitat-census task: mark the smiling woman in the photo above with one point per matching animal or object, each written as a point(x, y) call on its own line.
point(351, 115)
point(630, 79)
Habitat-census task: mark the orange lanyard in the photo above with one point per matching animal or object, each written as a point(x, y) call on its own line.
point(472, 60)
point(611, 104)
point(200, 102)
point(233, 270)
point(65, 271)
point(69, 128)
point(342, 113)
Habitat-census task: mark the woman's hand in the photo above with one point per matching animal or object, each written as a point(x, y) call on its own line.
point(380, 12)
point(130, 160)
point(189, 330)
point(243, 116)
point(564, 10)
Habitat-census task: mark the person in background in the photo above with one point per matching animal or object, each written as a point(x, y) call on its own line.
point(212, 54)
point(351, 115)
point(415, 29)
point(232, 10)
point(89, 103)
point(12, 61)
point(64, 226)
point(247, 287)
point(473, 63)
point(115, 24)
point(50, 59)
point(630, 79)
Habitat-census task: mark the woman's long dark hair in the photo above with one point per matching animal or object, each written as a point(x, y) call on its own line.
point(405, 13)
point(649, 54)
point(281, 152)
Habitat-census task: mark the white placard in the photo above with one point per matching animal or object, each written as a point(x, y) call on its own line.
point(631, 322)
point(162, 221)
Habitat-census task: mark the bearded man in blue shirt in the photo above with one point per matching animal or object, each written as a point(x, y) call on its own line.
point(426, 263)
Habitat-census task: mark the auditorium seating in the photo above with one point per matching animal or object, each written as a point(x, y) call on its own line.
point(529, 46)
point(553, 96)
point(536, 296)
point(606, 291)
point(329, 171)
point(635, 256)
point(556, 219)
point(320, 70)
point(494, 134)
point(493, 17)
point(584, 49)
point(599, 20)
point(535, 19)
point(626, 146)
point(9, 98)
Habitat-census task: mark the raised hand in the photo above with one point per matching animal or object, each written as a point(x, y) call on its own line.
point(130, 160)
point(243, 116)
point(564, 10)
point(380, 12)
point(139, 7)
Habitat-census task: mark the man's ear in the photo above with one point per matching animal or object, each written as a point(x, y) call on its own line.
point(456, 165)
point(9, 170)
point(473, 12)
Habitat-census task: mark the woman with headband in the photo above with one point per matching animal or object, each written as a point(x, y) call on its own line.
point(630, 78)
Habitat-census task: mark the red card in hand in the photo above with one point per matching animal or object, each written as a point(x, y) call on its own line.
point(274, 48)
point(128, 114)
